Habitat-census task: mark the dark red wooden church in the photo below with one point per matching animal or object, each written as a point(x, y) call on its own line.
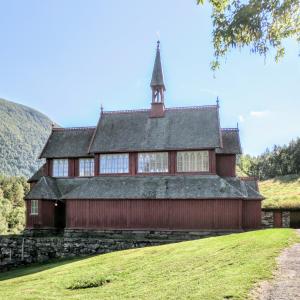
point(152, 169)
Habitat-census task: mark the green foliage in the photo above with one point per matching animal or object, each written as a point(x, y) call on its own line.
point(260, 24)
point(281, 192)
point(85, 283)
point(12, 206)
point(23, 133)
point(226, 267)
point(282, 160)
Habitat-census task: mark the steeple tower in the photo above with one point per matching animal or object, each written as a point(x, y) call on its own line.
point(158, 87)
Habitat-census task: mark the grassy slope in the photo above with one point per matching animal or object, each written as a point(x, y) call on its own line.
point(215, 268)
point(23, 132)
point(281, 192)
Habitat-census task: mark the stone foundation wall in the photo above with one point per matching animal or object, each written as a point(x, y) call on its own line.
point(268, 219)
point(286, 219)
point(35, 246)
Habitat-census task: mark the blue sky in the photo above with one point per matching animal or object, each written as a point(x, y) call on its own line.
point(66, 58)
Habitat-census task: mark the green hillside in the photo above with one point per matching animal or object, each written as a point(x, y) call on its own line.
point(224, 267)
point(23, 132)
point(281, 192)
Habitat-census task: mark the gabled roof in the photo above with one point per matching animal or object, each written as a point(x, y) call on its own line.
point(48, 188)
point(180, 128)
point(37, 175)
point(45, 189)
point(230, 142)
point(245, 187)
point(143, 187)
point(157, 74)
point(68, 142)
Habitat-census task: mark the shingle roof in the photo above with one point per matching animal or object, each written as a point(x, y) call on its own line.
point(68, 142)
point(182, 128)
point(37, 175)
point(244, 188)
point(231, 142)
point(49, 188)
point(143, 187)
point(45, 189)
point(157, 74)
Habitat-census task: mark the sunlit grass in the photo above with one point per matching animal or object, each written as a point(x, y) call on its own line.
point(224, 267)
point(282, 192)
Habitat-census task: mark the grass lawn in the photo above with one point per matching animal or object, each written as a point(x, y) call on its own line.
point(281, 192)
point(224, 267)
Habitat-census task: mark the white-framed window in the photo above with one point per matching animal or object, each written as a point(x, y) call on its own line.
point(60, 167)
point(34, 207)
point(153, 162)
point(86, 167)
point(114, 163)
point(192, 161)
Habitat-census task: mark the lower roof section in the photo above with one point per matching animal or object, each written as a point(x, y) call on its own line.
point(143, 187)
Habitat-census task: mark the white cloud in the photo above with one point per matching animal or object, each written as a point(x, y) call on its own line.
point(241, 118)
point(259, 114)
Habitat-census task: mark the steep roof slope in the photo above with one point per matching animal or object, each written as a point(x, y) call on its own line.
point(230, 141)
point(68, 142)
point(143, 187)
point(183, 128)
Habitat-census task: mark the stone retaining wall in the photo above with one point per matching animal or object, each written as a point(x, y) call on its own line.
point(34, 246)
point(268, 218)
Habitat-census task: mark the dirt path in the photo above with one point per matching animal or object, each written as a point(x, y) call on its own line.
point(286, 284)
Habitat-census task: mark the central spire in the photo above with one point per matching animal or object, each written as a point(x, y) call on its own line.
point(157, 81)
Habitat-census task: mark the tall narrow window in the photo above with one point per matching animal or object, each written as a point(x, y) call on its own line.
point(86, 167)
point(114, 163)
point(153, 162)
point(192, 161)
point(60, 167)
point(34, 207)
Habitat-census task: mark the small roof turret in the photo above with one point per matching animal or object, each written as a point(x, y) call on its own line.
point(157, 74)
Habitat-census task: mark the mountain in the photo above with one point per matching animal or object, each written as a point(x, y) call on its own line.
point(23, 133)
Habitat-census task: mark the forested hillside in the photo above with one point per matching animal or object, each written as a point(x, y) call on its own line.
point(23, 132)
point(280, 161)
point(12, 208)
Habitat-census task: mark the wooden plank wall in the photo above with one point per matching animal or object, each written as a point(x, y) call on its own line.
point(45, 218)
point(251, 214)
point(226, 164)
point(154, 214)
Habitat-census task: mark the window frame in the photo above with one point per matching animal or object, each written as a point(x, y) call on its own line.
point(34, 212)
point(53, 167)
point(167, 171)
point(92, 166)
point(194, 152)
point(127, 171)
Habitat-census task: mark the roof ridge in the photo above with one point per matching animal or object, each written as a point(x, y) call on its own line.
point(125, 111)
point(73, 128)
point(229, 129)
point(197, 107)
point(233, 187)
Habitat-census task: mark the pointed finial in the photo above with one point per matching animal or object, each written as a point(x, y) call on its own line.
point(101, 108)
point(218, 102)
point(158, 43)
point(237, 125)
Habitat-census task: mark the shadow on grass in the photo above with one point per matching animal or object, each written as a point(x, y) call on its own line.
point(287, 178)
point(38, 267)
